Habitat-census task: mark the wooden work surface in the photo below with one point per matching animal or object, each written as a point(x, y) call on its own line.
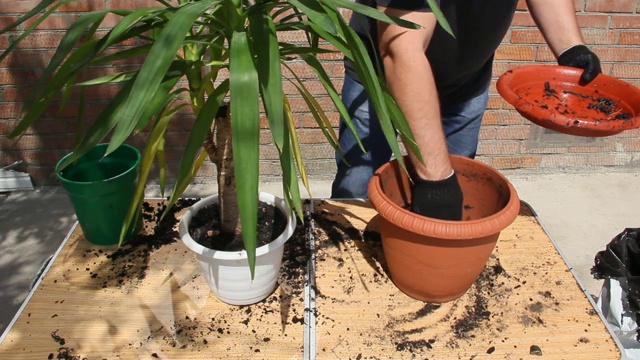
point(148, 304)
point(154, 303)
point(526, 296)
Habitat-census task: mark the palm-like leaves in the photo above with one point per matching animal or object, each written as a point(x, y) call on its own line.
point(193, 40)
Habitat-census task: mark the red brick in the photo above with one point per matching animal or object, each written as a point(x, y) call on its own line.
point(618, 54)
point(591, 148)
point(625, 21)
point(589, 20)
point(56, 21)
point(132, 4)
point(629, 38)
point(611, 6)
point(579, 4)
point(513, 52)
point(599, 36)
point(625, 71)
point(529, 148)
point(527, 36)
point(498, 147)
point(514, 132)
point(495, 102)
point(544, 54)
point(501, 117)
point(10, 110)
point(630, 144)
point(17, 6)
point(83, 6)
point(515, 162)
point(522, 19)
point(36, 40)
point(5, 20)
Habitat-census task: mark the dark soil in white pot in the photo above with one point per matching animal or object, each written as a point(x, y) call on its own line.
point(205, 227)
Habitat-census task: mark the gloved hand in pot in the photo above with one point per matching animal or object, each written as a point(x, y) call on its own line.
point(440, 199)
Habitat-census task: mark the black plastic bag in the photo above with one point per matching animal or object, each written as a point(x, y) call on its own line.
point(621, 259)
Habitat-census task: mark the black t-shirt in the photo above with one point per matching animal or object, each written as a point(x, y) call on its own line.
point(461, 65)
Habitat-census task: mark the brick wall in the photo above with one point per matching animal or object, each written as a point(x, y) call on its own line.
point(610, 28)
point(507, 141)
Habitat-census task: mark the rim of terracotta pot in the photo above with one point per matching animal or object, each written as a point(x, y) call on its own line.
point(447, 229)
point(183, 229)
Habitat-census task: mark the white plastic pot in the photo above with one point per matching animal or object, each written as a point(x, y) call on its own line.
point(227, 272)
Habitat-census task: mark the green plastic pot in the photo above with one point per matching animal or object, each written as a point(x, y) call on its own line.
point(100, 189)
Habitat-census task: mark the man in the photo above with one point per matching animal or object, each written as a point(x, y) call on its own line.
point(441, 83)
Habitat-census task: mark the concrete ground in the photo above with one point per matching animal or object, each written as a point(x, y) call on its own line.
point(581, 212)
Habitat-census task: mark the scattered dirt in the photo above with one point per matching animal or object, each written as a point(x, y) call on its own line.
point(359, 311)
point(602, 105)
point(205, 228)
point(362, 314)
point(278, 318)
point(128, 265)
point(64, 353)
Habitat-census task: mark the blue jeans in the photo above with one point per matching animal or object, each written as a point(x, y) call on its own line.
point(461, 126)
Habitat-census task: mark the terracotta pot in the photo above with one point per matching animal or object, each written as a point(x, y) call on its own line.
point(436, 260)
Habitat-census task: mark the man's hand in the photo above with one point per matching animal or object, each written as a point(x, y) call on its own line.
point(579, 56)
point(440, 199)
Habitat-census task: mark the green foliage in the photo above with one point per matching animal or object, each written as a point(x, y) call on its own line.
point(193, 40)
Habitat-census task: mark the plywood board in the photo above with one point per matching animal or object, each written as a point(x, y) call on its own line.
point(152, 302)
point(525, 297)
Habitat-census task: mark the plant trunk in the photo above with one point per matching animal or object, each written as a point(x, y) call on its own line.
point(220, 152)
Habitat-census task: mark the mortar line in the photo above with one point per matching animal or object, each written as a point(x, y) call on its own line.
point(310, 289)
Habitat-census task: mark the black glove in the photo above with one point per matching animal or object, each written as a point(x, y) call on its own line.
point(441, 199)
point(579, 56)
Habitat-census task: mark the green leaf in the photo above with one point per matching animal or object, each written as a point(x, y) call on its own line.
point(155, 142)
point(316, 14)
point(36, 10)
point(265, 43)
point(101, 126)
point(245, 124)
point(290, 152)
point(122, 54)
point(109, 79)
point(43, 4)
point(157, 63)
point(315, 64)
point(199, 131)
point(442, 20)
point(371, 12)
point(71, 37)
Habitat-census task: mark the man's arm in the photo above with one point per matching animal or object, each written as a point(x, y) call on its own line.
point(559, 25)
point(436, 191)
point(409, 77)
point(557, 21)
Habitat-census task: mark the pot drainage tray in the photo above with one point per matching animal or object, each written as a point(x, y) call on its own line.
point(550, 96)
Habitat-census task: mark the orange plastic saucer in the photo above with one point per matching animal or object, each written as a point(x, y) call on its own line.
point(550, 96)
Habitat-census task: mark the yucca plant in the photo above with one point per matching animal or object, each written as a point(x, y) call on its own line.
point(199, 54)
